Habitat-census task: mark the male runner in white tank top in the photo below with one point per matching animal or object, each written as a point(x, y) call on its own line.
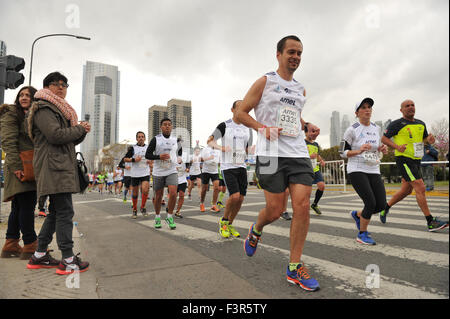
point(282, 155)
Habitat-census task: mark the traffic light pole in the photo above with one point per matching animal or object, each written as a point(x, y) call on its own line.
point(2, 99)
point(2, 82)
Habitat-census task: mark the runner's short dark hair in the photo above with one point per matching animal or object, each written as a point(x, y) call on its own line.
point(140, 132)
point(165, 119)
point(281, 44)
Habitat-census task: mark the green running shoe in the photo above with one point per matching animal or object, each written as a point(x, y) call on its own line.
point(316, 209)
point(171, 223)
point(157, 222)
point(223, 229)
point(233, 231)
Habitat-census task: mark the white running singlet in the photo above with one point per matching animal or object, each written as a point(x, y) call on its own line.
point(165, 146)
point(281, 105)
point(141, 168)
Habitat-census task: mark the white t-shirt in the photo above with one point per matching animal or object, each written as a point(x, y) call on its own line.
point(210, 166)
point(238, 138)
point(118, 175)
point(110, 177)
point(127, 169)
point(358, 135)
point(182, 174)
point(195, 166)
point(281, 105)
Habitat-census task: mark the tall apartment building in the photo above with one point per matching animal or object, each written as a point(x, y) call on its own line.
point(155, 114)
point(180, 112)
point(2, 48)
point(344, 125)
point(101, 104)
point(335, 129)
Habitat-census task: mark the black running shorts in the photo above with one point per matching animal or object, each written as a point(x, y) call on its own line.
point(236, 180)
point(409, 168)
point(276, 173)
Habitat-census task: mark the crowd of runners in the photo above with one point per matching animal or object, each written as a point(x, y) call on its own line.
point(288, 163)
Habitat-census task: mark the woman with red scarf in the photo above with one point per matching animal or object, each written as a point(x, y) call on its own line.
point(54, 128)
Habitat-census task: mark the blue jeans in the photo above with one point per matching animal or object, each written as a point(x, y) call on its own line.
point(21, 218)
point(428, 176)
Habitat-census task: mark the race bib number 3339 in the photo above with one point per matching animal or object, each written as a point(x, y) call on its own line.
point(289, 121)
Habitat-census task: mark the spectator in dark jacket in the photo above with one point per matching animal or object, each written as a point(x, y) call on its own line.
point(21, 193)
point(54, 127)
point(430, 155)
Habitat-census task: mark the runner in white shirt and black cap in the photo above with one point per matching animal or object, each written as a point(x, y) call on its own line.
point(362, 146)
point(140, 172)
point(236, 138)
point(166, 153)
point(282, 156)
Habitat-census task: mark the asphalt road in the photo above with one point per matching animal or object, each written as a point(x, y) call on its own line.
point(132, 259)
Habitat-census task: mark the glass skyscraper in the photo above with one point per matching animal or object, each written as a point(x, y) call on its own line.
point(101, 105)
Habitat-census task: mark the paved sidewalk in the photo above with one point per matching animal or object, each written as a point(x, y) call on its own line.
point(17, 282)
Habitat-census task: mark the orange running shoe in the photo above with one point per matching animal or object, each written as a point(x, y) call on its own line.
point(215, 209)
point(202, 208)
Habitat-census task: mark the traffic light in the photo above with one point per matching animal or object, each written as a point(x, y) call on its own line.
point(10, 65)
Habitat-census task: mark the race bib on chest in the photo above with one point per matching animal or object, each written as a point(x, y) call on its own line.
point(371, 158)
point(165, 164)
point(239, 157)
point(314, 162)
point(180, 171)
point(418, 149)
point(289, 121)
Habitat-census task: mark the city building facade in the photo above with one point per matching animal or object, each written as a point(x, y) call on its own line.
point(101, 106)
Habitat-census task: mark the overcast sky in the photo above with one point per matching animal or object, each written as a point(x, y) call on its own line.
point(211, 52)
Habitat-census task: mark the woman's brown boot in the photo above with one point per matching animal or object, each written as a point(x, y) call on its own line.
point(28, 250)
point(11, 248)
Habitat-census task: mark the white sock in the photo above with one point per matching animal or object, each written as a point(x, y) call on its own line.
point(69, 260)
point(38, 254)
point(158, 216)
point(169, 215)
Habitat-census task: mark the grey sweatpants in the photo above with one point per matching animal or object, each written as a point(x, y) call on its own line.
point(59, 220)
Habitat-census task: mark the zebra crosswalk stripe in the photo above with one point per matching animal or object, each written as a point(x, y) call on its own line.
point(354, 279)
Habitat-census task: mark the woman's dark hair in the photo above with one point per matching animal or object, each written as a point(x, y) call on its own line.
point(54, 77)
point(19, 108)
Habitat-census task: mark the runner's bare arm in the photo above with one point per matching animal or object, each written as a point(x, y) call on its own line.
point(250, 101)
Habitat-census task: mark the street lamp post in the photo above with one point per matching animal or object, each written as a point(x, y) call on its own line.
point(51, 35)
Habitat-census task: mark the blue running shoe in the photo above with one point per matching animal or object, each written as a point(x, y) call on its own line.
point(437, 224)
point(251, 243)
point(356, 218)
point(383, 214)
point(365, 239)
point(301, 278)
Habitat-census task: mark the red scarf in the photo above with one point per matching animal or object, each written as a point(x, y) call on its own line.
point(62, 105)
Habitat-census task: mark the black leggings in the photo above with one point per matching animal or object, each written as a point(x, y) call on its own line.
point(21, 218)
point(370, 188)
